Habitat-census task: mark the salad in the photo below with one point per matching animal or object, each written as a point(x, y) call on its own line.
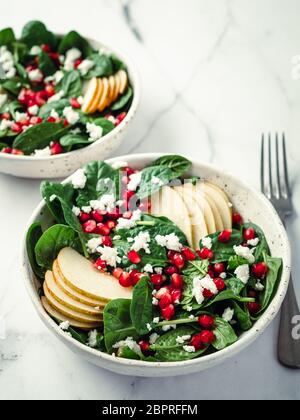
point(57, 94)
point(146, 264)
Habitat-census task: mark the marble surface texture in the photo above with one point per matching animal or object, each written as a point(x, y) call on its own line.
point(215, 74)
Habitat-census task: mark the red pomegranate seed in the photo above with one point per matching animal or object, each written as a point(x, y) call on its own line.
point(196, 342)
point(177, 281)
point(219, 268)
point(205, 254)
point(66, 123)
point(17, 152)
point(77, 63)
point(249, 234)
point(121, 117)
point(220, 284)
point(168, 312)
point(74, 103)
point(55, 57)
point(125, 279)
point(179, 261)
point(107, 241)
point(5, 116)
point(171, 269)
point(46, 48)
point(114, 215)
point(207, 337)
point(89, 226)
point(260, 269)
point(165, 300)
point(176, 296)
point(254, 307)
point(188, 254)
point(41, 97)
point(170, 255)
point(16, 128)
point(100, 264)
point(96, 215)
point(129, 171)
point(56, 149)
point(135, 276)
point(144, 346)
point(7, 150)
point(84, 217)
point(252, 294)
point(111, 224)
point(211, 273)
point(207, 294)
point(50, 90)
point(36, 120)
point(134, 257)
point(51, 120)
point(225, 236)
point(237, 219)
point(102, 229)
point(162, 291)
point(157, 279)
point(117, 272)
point(206, 321)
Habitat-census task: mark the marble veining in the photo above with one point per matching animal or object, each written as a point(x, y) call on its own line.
point(215, 74)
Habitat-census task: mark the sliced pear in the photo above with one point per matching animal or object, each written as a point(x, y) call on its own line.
point(216, 214)
point(94, 105)
point(66, 300)
point(103, 98)
point(196, 215)
point(123, 81)
point(168, 202)
point(91, 92)
point(58, 277)
point(77, 316)
point(62, 318)
point(222, 205)
point(209, 217)
point(80, 275)
point(112, 88)
point(117, 86)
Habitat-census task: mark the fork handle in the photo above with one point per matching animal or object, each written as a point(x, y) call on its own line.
point(288, 342)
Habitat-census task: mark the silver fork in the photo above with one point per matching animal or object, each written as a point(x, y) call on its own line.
point(276, 187)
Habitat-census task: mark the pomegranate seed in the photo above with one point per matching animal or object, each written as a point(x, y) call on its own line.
point(56, 149)
point(5, 116)
point(249, 234)
point(36, 120)
point(6, 150)
point(254, 307)
point(207, 337)
point(205, 254)
point(196, 342)
point(55, 57)
point(41, 97)
point(74, 103)
point(170, 270)
point(207, 294)
point(225, 236)
point(144, 346)
point(66, 123)
point(125, 180)
point(135, 276)
point(260, 269)
point(51, 120)
point(211, 273)
point(237, 219)
point(179, 260)
point(25, 123)
point(100, 264)
point(170, 255)
point(50, 90)
point(252, 294)
point(125, 279)
point(219, 268)
point(161, 292)
point(129, 171)
point(188, 253)
point(89, 226)
point(84, 217)
point(176, 296)
point(30, 67)
point(107, 241)
point(117, 272)
point(121, 117)
point(157, 279)
point(17, 152)
point(16, 128)
point(46, 48)
point(127, 195)
point(96, 215)
point(77, 63)
point(168, 312)
point(134, 257)
point(165, 300)
point(111, 224)
point(220, 284)
point(206, 321)
point(102, 229)
point(177, 281)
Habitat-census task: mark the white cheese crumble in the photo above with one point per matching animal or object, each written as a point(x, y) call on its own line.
point(54, 114)
point(156, 320)
point(55, 78)
point(119, 164)
point(59, 95)
point(71, 116)
point(148, 268)
point(192, 317)
point(129, 223)
point(35, 75)
point(86, 66)
point(223, 276)
point(35, 50)
point(3, 99)
point(253, 242)
point(76, 211)
point(92, 338)
point(228, 314)
point(189, 308)
point(104, 203)
point(153, 338)
point(64, 325)
point(20, 116)
point(154, 301)
point(148, 326)
point(71, 56)
point(109, 255)
point(166, 328)
point(170, 241)
point(7, 62)
point(95, 131)
point(141, 241)
point(242, 273)
point(129, 342)
point(182, 339)
point(93, 244)
point(134, 181)
point(33, 110)
point(245, 252)
point(79, 179)
point(86, 209)
point(42, 152)
point(259, 287)
point(5, 125)
point(200, 284)
point(158, 270)
point(189, 349)
point(207, 242)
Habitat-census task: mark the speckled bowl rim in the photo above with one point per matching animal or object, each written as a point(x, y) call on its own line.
point(212, 359)
point(136, 83)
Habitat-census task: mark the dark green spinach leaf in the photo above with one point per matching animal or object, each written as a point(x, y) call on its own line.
point(34, 233)
point(74, 40)
point(141, 309)
point(225, 335)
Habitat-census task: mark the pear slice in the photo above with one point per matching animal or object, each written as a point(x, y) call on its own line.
point(123, 81)
point(168, 202)
point(117, 87)
point(89, 96)
point(217, 217)
point(221, 204)
point(111, 82)
point(77, 316)
point(66, 300)
point(209, 217)
point(93, 108)
point(62, 318)
point(103, 99)
point(196, 215)
point(94, 303)
point(79, 274)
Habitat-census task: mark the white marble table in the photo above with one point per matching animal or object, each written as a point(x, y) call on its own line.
point(215, 74)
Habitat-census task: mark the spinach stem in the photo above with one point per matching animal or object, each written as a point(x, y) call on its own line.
point(146, 223)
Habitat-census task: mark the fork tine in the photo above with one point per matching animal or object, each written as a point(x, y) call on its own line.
point(278, 166)
point(285, 167)
point(270, 166)
point(262, 162)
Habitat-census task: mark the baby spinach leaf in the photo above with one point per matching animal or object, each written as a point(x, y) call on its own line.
point(169, 350)
point(223, 251)
point(52, 241)
point(106, 125)
point(117, 63)
point(34, 233)
point(235, 261)
point(126, 353)
point(39, 136)
point(223, 296)
point(235, 285)
point(70, 140)
point(74, 40)
point(225, 335)
point(58, 106)
point(197, 268)
point(12, 86)
point(71, 84)
point(7, 36)
point(123, 100)
point(242, 316)
point(46, 65)
point(20, 51)
point(273, 276)
point(50, 191)
point(78, 335)
point(36, 33)
point(117, 323)
point(103, 66)
point(21, 71)
point(141, 309)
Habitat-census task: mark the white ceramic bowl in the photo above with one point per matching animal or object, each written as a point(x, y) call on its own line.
point(66, 163)
point(253, 206)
